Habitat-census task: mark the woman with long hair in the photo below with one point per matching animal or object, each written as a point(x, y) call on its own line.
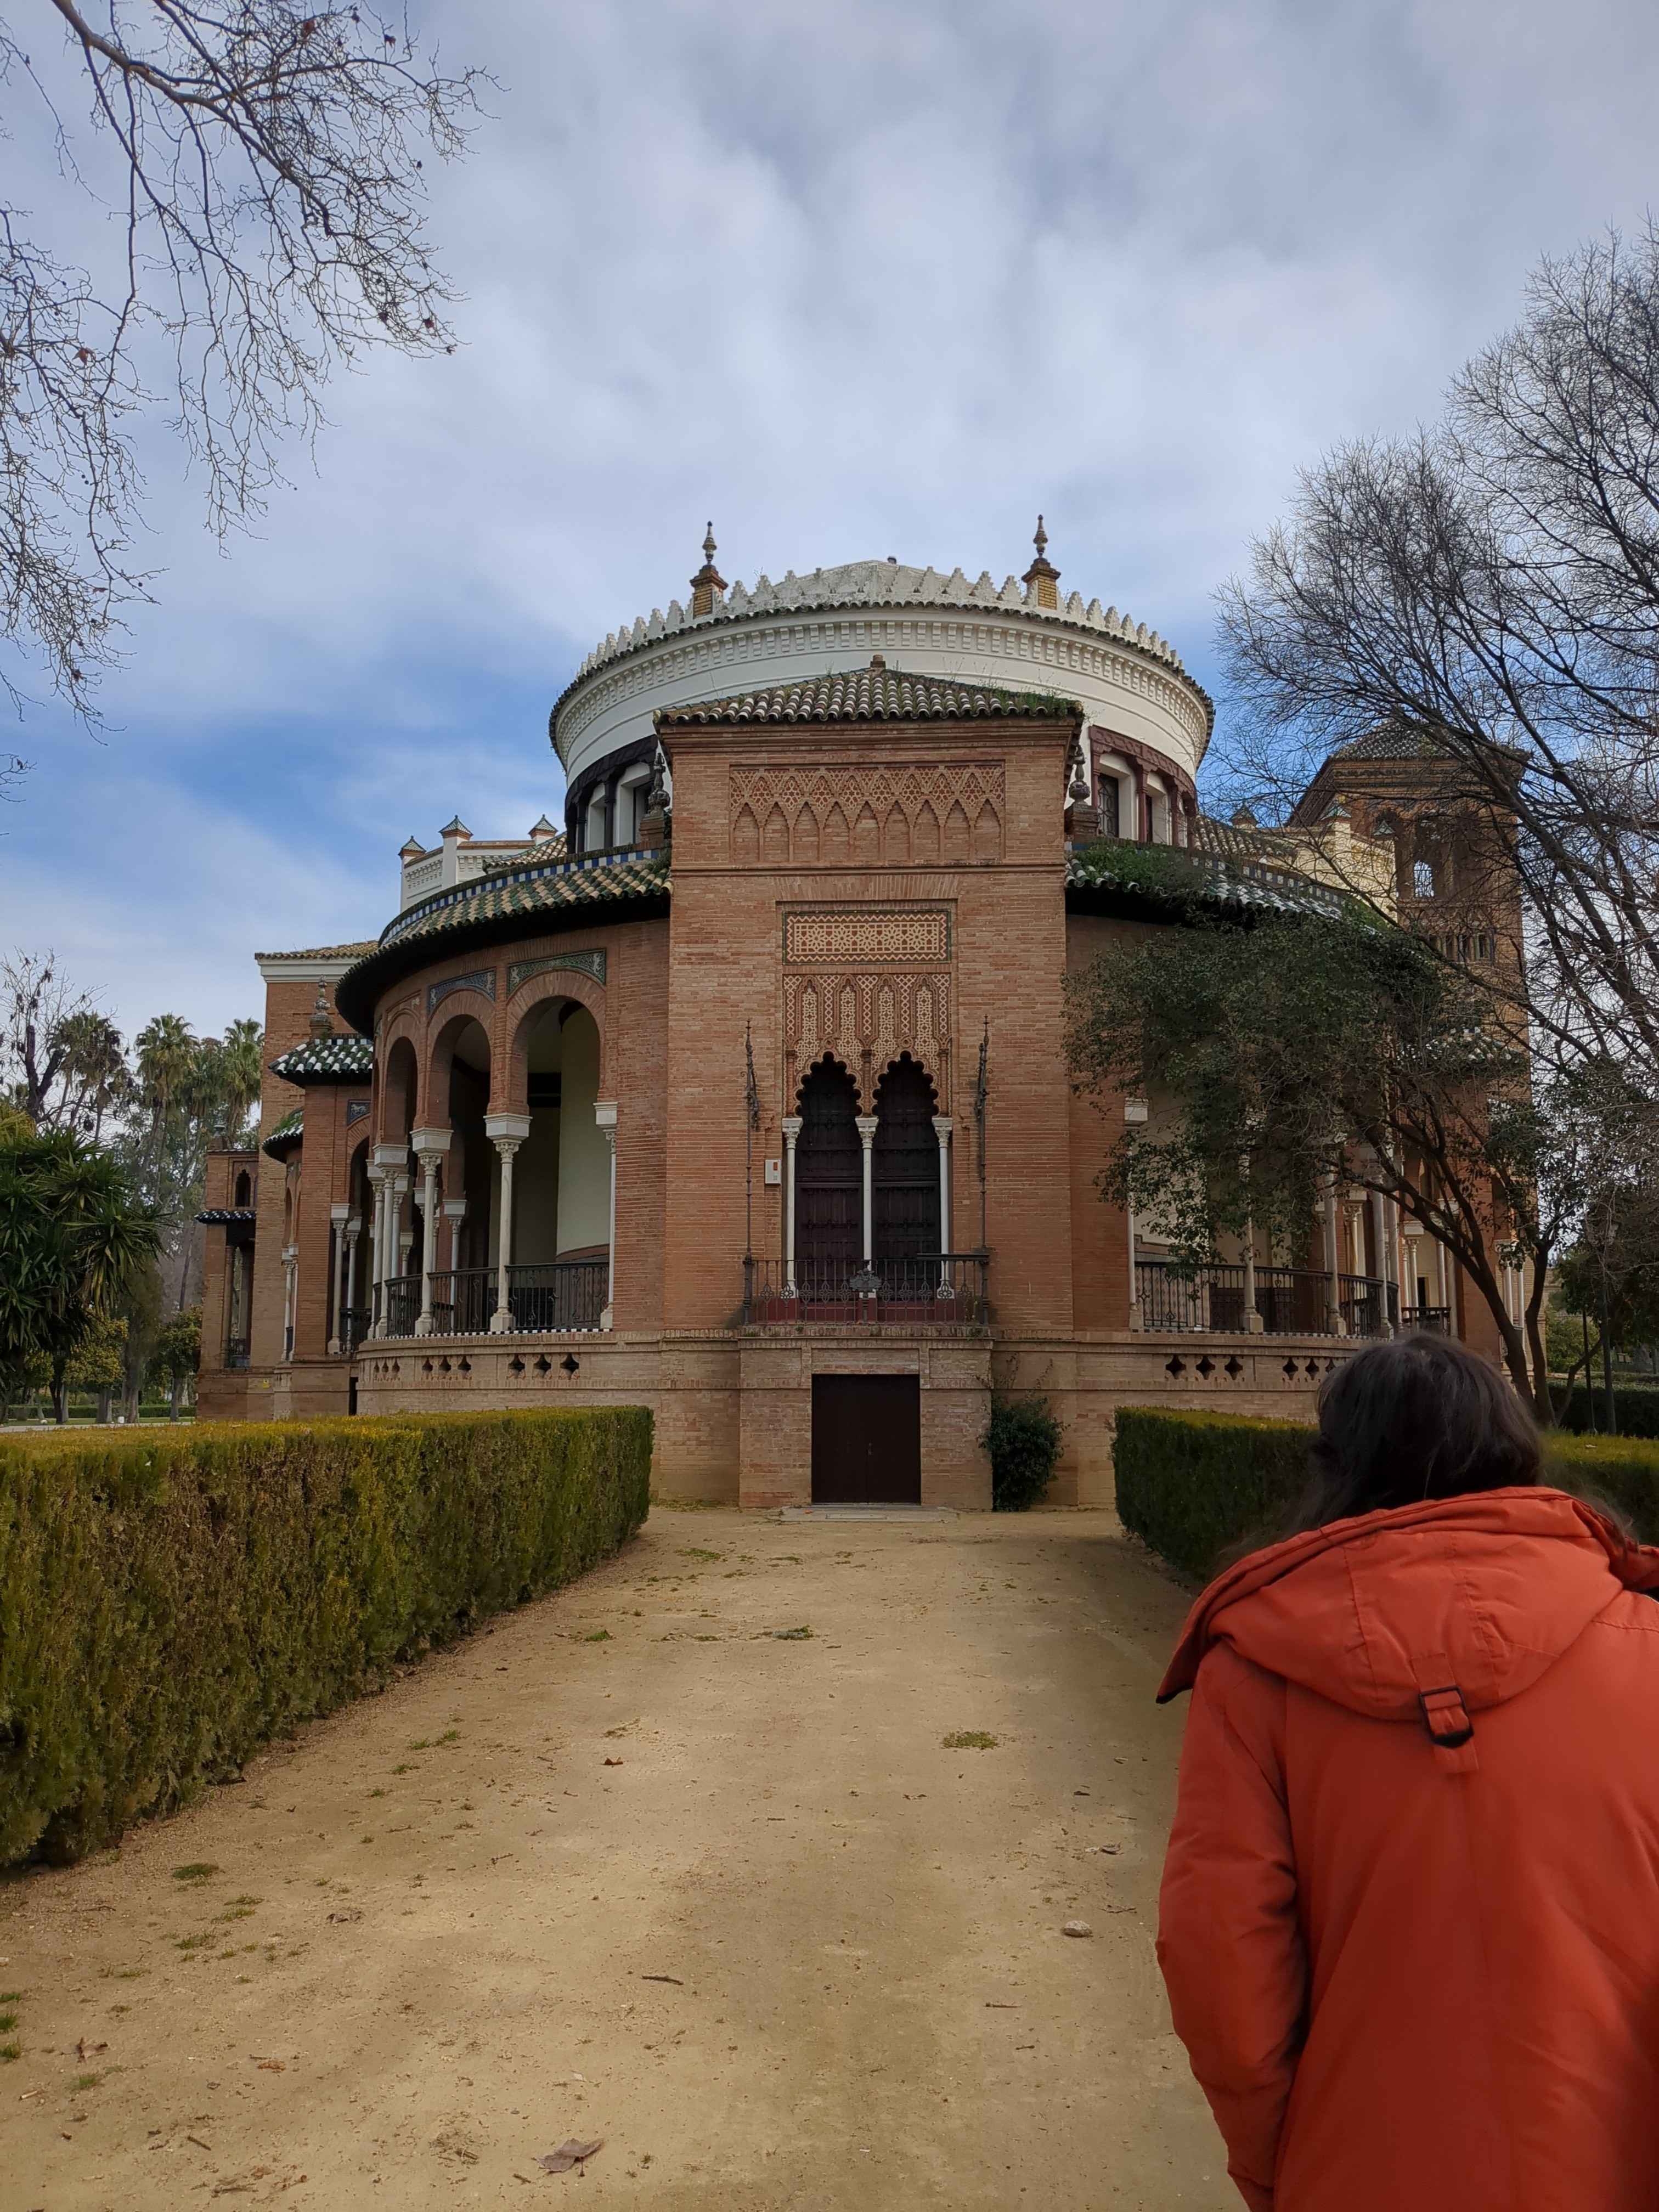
point(1410, 1914)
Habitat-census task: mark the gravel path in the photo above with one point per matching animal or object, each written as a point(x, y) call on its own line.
point(646, 1865)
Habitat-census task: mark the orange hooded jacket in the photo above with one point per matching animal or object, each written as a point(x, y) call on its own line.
point(1410, 1915)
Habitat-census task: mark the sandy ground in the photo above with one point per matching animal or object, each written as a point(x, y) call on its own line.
point(632, 1865)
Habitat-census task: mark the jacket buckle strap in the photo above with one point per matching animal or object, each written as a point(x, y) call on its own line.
point(1446, 1717)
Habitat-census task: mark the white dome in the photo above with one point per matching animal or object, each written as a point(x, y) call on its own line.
point(1130, 680)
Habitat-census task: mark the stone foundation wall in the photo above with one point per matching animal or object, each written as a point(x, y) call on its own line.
point(734, 1410)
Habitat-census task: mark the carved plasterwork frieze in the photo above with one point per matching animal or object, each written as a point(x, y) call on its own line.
point(875, 815)
point(586, 962)
point(867, 936)
point(866, 1019)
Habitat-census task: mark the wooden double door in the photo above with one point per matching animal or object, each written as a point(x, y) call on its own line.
point(866, 1440)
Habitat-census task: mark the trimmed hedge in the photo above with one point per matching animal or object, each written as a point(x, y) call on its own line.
point(170, 1599)
point(1192, 1485)
point(1635, 1408)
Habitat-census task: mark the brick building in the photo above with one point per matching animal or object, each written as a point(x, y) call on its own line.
point(744, 1094)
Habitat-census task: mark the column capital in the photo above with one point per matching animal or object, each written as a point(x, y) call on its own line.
point(341, 1209)
point(454, 1209)
point(866, 1125)
point(429, 1144)
point(605, 1112)
point(507, 1128)
point(942, 1124)
point(792, 1125)
point(354, 1227)
point(386, 1158)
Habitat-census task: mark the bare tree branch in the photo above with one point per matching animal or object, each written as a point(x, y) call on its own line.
point(272, 213)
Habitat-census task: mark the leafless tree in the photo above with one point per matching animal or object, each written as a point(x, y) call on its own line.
point(263, 160)
point(1491, 584)
point(61, 1061)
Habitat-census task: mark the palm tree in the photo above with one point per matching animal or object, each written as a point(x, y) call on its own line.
point(242, 1074)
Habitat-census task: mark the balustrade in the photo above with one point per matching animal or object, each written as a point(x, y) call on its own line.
point(924, 1289)
point(1209, 1298)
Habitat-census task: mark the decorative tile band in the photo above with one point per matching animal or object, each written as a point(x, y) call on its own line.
point(906, 934)
point(586, 964)
point(483, 979)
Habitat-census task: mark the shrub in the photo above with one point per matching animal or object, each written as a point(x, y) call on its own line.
point(1635, 1407)
point(170, 1599)
point(1023, 1442)
point(1192, 1485)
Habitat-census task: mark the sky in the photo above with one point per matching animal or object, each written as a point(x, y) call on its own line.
point(854, 280)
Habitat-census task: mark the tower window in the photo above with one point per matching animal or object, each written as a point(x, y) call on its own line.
point(1423, 879)
point(1108, 814)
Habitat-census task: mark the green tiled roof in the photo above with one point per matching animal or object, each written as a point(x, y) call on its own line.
point(870, 695)
point(1175, 878)
point(288, 1132)
point(327, 1059)
point(527, 895)
point(539, 888)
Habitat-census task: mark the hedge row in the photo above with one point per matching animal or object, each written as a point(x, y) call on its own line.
point(171, 1600)
point(1635, 1408)
point(1192, 1484)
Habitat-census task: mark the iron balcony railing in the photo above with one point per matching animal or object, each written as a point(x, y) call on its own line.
point(550, 1297)
point(926, 1290)
point(354, 1327)
point(1174, 1295)
point(1436, 1320)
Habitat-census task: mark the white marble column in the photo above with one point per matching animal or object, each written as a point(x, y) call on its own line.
point(376, 1243)
point(290, 1296)
point(339, 1214)
point(507, 1132)
point(354, 1231)
point(868, 1125)
point(605, 1120)
point(792, 1125)
point(1332, 1264)
point(1380, 1240)
point(943, 1126)
point(431, 1145)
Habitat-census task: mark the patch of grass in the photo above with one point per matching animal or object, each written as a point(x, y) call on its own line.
point(8, 2022)
point(241, 1910)
point(699, 1552)
point(968, 1740)
point(193, 1943)
point(600, 1636)
point(85, 2082)
point(10, 1996)
point(197, 1870)
point(406, 1768)
point(10, 2053)
point(802, 1635)
point(377, 1793)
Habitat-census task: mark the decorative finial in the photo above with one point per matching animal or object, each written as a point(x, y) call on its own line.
point(321, 1023)
point(708, 583)
point(1042, 579)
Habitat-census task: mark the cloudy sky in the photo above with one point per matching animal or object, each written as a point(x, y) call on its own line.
point(855, 280)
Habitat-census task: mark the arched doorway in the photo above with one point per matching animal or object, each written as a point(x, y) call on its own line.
point(904, 1166)
point(829, 1183)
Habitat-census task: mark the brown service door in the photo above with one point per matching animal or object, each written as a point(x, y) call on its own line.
point(866, 1440)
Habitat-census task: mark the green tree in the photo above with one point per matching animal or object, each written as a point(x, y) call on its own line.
point(1283, 1054)
point(72, 1239)
point(98, 1365)
point(178, 1353)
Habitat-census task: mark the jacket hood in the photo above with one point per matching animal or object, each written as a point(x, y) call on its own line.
point(1496, 1585)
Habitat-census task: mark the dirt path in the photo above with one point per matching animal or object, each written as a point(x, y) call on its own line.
point(634, 1865)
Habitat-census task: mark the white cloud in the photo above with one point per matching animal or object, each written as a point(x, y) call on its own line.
point(868, 280)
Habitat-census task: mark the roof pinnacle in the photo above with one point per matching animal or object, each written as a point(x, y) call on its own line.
point(708, 583)
point(1042, 579)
